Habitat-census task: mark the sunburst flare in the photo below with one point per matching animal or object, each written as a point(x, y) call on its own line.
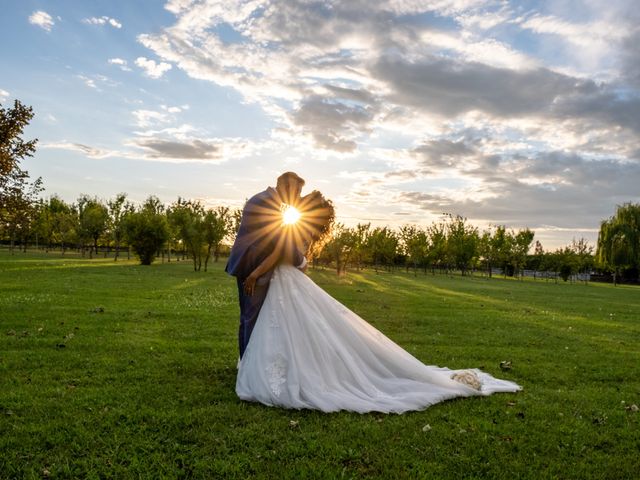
point(290, 215)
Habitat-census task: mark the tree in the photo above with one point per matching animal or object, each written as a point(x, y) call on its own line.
point(360, 236)
point(462, 242)
point(340, 247)
point(216, 224)
point(619, 242)
point(520, 248)
point(13, 148)
point(118, 208)
point(187, 218)
point(584, 254)
point(437, 234)
point(146, 230)
point(236, 220)
point(494, 247)
point(17, 196)
point(382, 244)
point(64, 222)
point(415, 244)
point(93, 218)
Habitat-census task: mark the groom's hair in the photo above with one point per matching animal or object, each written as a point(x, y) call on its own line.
point(290, 176)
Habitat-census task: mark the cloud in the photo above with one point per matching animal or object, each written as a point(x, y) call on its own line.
point(159, 148)
point(103, 21)
point(332, 123)
point(148, 118)
point(89, 82)
point(90, 152)
point(42, 19)
point(120, 63)
point(442, 153)
point(3, 95)
point(494, 111)
point(630, 58)
point(95, 80)
point(449, 87)
point(167, 149)
point(151, 68)
point(551, 188)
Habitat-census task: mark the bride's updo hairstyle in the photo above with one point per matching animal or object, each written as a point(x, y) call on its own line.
point(318, 217)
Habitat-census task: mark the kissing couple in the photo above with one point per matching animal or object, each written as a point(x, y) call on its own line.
point(300, 347)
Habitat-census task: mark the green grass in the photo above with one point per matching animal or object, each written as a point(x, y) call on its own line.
point(121, 371)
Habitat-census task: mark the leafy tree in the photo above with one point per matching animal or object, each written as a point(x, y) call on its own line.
point(619, 241)
point(216, 224)
point(494, 247)
point(536, 261)
point(340, 247)
point(64, 222)
point(187, 218)
point(146, 230)
point(584, 254)
point(236, 219)
point(437, 234)
point(118, 208)
point(360, 237)
point(415, 244)
point(382, 244)
point(93, 220)
point(520, 248)
point(13, 148)
point(17, 196)
point(462, 242)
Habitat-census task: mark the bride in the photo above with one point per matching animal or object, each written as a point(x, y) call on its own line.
point(307, 350)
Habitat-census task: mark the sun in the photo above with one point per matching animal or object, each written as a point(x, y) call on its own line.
point(290, 215)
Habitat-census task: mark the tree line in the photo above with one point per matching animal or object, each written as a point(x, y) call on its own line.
point(89, 225)
point(452, 245)
point(189, 228)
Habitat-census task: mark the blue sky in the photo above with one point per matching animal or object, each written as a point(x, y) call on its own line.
point(518, 113)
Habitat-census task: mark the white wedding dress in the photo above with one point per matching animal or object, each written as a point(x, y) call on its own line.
point(309, 351)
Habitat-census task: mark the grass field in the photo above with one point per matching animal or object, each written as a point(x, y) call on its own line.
point(121, 371)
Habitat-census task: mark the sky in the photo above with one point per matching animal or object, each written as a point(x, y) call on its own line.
point(516, 113)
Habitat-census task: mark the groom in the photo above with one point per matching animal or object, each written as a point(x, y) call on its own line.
point(259, 234)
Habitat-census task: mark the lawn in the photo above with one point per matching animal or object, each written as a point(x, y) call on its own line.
point(114, 370)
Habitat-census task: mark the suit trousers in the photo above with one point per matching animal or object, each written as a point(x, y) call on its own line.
point(250, 306)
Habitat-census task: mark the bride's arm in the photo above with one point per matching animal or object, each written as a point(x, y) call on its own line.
point(266, 265)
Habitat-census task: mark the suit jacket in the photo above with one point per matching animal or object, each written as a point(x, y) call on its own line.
point(259, 232)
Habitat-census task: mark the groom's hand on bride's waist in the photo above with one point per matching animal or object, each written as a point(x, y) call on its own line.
point(249, 285)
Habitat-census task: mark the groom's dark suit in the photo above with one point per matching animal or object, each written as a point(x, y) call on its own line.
point(258, 235)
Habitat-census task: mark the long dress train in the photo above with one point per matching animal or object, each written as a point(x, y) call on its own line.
point(307, 350)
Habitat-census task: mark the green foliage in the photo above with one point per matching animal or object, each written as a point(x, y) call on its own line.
point(619, 240)
point(119, 208)
point(146, 230)
point(120, 371)
point(13, 148)
point(382, 245)
point(462, 243)
point(200, 230)
point(93, 218)
point(18, 197)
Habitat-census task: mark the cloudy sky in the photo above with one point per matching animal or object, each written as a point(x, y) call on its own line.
point(522, 113)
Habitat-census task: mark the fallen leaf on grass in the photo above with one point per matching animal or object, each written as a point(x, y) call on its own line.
point(505, 365)
point(426, 428)
point(631, 408)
